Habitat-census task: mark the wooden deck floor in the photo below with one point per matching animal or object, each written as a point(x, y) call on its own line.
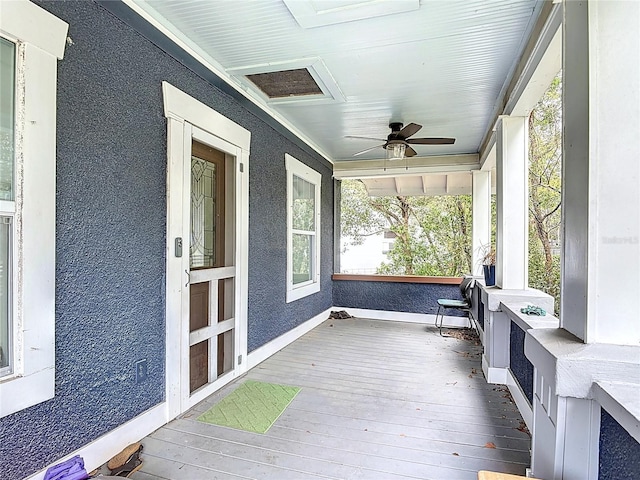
point(379, 400)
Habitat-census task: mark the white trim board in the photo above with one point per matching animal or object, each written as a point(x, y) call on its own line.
point(423, 318)
point(104, 448)
point(260, 354)
point(494, 374)
point(520, 399)
point(39, 41)
point(621, 401)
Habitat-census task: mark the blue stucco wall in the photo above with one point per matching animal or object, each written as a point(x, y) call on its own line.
point(619, 451)
point(394, 296)
point(519, 364)
point(110, 239)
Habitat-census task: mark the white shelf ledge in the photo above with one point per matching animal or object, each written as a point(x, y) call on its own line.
point(622, 401)
point(575, 365)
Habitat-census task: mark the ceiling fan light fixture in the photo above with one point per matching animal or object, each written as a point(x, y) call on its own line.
point(396, 151)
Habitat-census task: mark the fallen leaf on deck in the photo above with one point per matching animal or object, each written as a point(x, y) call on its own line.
point(489, 445)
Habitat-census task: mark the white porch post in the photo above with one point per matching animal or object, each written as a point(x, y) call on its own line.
point(512, 203)
point(601, 187)
point(481, 217)
point(600, 333)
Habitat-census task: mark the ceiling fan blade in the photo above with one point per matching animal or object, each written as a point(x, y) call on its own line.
point(368, 150)
point(366, 138)
point(432, 141)
point(409, 130)
point(410, 152)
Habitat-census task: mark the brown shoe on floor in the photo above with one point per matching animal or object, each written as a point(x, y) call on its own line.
point(122, 458)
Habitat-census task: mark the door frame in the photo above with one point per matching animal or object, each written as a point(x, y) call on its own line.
point(188, 119)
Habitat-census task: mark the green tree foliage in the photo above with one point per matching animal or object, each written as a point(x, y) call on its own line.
point(545, 199)
point(433, 234)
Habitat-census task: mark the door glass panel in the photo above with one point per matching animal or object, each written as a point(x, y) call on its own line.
point(7, 117)
point(207, 207)
point(225, 352)
point(302, 258)
point(5, 311)
point(303, 204)
point(226, 299)
point(199, 306)
point(211, 247)
point(198, 365)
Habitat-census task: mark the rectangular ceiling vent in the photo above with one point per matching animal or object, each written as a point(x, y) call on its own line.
point(302, 81)
point(286, 83)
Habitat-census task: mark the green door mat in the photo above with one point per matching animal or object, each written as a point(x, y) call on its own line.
point(253, 406)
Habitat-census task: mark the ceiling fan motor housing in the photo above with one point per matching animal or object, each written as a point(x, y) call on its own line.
point(395, 126)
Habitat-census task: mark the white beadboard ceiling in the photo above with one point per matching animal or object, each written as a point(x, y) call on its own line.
point(438, 63)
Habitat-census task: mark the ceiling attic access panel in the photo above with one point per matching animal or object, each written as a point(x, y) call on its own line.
point(286, 83)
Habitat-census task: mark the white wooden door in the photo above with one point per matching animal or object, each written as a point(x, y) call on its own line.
point(206, 265)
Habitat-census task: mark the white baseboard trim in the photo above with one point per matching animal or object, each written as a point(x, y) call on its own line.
point(493, 374)
point(260, 354)
point(102, 449)
point(521, 399)
point(423, 318)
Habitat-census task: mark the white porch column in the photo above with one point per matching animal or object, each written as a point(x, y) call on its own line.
point(512, 203)
point(600, 334)
point(481, 217)
point(601, 173)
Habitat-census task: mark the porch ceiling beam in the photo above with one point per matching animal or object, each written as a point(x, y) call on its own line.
point(357, 169)
point(541, 58)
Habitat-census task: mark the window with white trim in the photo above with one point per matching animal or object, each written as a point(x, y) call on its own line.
point(7, 200)
point(31, 42)
point(303, 229)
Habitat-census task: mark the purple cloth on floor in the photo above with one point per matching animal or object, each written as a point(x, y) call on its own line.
point(72, 469)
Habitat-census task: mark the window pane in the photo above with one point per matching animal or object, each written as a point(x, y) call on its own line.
point(302, 258)
point(7, 118)
point(198, 365)
point(5, 274)
point(304, 194)
point(203, 213)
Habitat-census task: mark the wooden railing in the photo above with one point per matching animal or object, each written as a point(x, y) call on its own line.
point(397, 278)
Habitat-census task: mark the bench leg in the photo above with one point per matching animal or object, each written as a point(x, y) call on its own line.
point(440, 313)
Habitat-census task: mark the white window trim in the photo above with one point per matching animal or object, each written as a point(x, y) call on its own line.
point(300, 170)
point(40, 39)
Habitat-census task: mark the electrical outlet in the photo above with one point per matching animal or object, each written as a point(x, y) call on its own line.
point(141, 371)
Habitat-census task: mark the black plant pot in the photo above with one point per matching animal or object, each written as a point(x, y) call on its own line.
point(489, 275)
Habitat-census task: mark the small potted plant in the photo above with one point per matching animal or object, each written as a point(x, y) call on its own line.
point(489, 264)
